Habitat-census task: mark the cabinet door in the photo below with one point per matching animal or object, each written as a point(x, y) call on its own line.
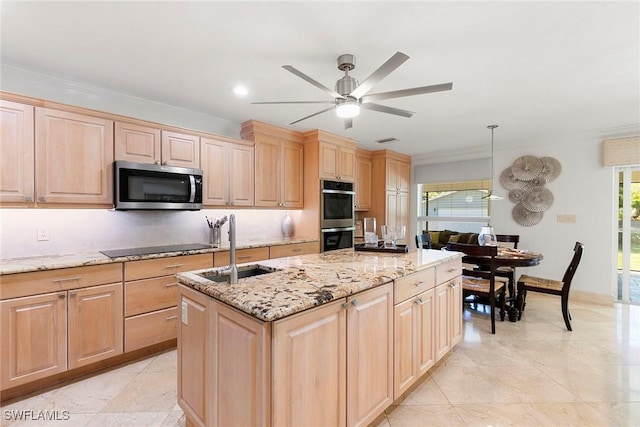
point(240, 360)
point(136, 143)
point(267, 173)
point(329, 159)
point(241, 175)
point(95, 324)
point(425, 319)
point(442, 337)
point(403, 179)
point(363, 183)
point(193, 356)
point(369, 354)
point(292, 181)
point(397, 210)
point(346, 164)
point(17, 153)
point(34, 338)
point(74, 158)
point(309, 368)
point(405, 352)
point(180, 149)
point(455, 310)
point(215, 168)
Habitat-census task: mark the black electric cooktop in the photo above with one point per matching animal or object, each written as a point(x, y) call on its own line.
point(115, 253)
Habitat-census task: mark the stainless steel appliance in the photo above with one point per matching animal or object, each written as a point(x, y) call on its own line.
point(337, 215)
point(336, 238)
point(337, 207)
point(155, 187)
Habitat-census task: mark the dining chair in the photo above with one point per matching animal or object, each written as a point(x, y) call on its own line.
point(550, 286)
point(423, 241)
point(481, 286)
point(508, 272)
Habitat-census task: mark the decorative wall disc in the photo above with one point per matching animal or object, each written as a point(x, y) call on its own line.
point(526, 168)
point(525, 217)
point(509, 181)
point(550, 168)
point(516, 195)
point(537, 199)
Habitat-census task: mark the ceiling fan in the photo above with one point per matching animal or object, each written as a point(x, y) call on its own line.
point(349, 96)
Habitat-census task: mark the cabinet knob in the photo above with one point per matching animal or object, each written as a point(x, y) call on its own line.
point(28, 199)
point(41, 199)
point(157, 162)
point(354, 302)
point(345, 305)
point(62, 296)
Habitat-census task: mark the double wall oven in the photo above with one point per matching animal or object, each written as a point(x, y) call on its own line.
point(337, 215)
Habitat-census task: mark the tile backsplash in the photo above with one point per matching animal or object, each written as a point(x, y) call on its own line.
point(93, 230)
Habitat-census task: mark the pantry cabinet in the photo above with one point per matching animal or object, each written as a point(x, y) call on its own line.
point(362, 181)
point(57, 320)
point(74, 155)
point(229, 172)
point(17, 160)
point(147, 144)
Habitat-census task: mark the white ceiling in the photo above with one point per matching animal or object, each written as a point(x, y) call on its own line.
point(538, 69)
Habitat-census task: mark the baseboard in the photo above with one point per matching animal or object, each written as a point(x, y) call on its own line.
point(590, 297)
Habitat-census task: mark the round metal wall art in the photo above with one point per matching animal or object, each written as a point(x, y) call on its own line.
point(526, 180)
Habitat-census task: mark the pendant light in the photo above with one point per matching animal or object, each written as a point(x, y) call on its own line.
point(492, 196)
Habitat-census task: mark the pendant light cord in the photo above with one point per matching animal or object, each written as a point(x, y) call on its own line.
point(492, 127)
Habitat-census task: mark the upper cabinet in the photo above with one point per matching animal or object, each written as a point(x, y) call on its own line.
point(337, 162)
point(145, 144)
point(74, 155)
point(229, 175)
point(278, 165)
point(398, 174)
point(362, 183)
point(17, 158)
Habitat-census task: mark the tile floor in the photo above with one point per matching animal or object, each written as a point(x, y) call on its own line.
point(531, 373)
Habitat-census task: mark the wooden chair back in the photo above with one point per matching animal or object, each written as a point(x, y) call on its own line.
point(573, 266)
point(509, 238)
point(423, 241)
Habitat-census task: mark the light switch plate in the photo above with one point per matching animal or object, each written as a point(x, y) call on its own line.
point(42, 233)
point(566, 218)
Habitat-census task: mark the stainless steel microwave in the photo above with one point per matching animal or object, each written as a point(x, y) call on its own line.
point(156, 187)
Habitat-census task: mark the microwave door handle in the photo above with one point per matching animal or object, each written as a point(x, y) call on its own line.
point(192, 194)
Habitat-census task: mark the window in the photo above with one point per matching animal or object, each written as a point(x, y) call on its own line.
point(458, 206)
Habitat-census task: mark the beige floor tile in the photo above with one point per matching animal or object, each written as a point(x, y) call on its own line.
point(425, 393)
point(571, 414)
point(56, 420)
point(498, 414)
point(423, 416)
point(620, 414)
point(164, 362)
point(129, 419)
point(175, 418)
point(148, 392)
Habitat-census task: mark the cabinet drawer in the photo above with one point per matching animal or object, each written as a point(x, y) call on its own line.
point(147, 295)
point(151, 328)
point(448, 270)
point(220, 259)
point(41, 282)
point(147, 268)
point(413, 284)
point(294, 249)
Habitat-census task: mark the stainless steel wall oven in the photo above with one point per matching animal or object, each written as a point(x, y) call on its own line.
point(337, 215)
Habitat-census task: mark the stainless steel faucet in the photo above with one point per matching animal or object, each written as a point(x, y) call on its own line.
point(233, 269)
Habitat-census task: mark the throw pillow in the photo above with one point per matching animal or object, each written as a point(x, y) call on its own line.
point(464, 238)
point(435, 236)
point(444, 236)
point(473, 239)
point(455, 239)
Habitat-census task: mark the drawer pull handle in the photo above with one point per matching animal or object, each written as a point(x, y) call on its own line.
point(420, 283)
point(172, 317)
point(67, 279)
point(451, 270)
point(174, 266)
point(419, 301)
point(168, 285)
point(296, 250)
point(244, 257)
point(61, 296)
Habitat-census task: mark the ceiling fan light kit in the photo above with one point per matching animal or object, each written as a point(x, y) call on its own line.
point(492, 196)
point(350, 96)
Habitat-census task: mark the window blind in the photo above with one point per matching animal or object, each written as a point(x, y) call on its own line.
point(621, 151)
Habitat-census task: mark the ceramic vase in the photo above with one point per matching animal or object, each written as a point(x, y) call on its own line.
point(287, 225)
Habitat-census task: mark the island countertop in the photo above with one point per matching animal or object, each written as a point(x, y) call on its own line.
point(308, 281)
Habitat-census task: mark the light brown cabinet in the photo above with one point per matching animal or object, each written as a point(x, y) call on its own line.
point(362, 182)
point(146, 144)
point(47, 334)
point(74, 155)
point(398, 174)
point(337, 162)
point(278, 173)
point(150, 298)
point(294, 249)
point(222, 258)
point(390, 189)
point(17, 159)
point(229, 172)
point(448, 307)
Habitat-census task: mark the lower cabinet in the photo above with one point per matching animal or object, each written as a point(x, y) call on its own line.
point(48, 334)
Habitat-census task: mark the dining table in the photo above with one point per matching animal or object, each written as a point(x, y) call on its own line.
point(507, 257)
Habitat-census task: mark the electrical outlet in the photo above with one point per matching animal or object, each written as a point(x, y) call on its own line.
point(566, 218)
point(42, 233)
point(185, 313)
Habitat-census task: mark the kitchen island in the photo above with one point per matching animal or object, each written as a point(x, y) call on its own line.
point(327, 339)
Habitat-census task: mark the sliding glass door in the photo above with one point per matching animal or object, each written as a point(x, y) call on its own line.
point(628, 234)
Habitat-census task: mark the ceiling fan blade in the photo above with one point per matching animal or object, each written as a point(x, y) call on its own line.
point(406, 92)
point(317, 84)
point(348, 123)
point(383, 71)
point(314, 114)
point(385, 109)
point(296, 102)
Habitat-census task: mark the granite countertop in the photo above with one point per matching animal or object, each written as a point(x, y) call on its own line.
point(308, 281)
point(52, 262)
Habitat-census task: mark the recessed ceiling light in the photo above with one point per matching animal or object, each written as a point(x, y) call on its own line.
point(240, 90)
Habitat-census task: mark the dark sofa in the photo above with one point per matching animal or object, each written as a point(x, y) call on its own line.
point(439, 239)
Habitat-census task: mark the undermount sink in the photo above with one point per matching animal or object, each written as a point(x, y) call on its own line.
point(222, 276)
